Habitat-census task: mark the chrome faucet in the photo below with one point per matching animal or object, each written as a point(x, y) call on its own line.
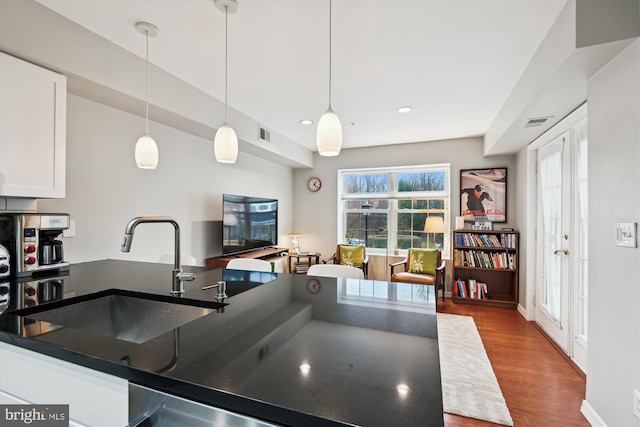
point(178, 276)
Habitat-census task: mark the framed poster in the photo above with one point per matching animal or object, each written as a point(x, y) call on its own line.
point(483, 194)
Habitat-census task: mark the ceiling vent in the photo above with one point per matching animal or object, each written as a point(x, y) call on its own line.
point(264, 134)
point(538, 121)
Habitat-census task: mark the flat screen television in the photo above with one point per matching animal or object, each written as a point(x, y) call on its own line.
point(248, 223)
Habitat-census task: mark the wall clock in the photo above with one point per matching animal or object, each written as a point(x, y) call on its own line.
point(314, 184)
point(313, 286)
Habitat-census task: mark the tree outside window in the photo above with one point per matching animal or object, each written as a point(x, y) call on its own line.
point(389, 208)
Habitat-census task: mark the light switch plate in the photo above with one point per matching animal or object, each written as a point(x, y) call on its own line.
point(626, 234)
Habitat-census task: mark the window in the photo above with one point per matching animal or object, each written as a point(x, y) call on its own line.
point(373, 293)
point(386, 209)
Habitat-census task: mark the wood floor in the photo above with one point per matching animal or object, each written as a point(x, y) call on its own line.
point(540, 387)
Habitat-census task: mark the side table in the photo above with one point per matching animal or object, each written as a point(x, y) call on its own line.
point(299, 266)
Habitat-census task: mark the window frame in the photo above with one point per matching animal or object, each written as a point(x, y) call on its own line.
point(393, 196)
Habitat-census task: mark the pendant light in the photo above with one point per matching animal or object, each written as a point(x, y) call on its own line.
point(329, 133)
point(225, 143)
point(146, 148)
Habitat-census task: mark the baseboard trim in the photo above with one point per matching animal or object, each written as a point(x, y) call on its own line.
point(523, 311)
point(591, 415)
point(560, 351)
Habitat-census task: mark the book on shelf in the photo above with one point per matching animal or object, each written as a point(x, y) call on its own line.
point(481, 290)
point(462, 289)
point(472, 288)
point(504, 240)
point(484, 259)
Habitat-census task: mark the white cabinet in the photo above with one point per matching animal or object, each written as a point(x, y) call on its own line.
point(33, 118)
point(94, 398)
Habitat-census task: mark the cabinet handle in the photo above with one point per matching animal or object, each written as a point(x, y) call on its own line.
point(563, 251)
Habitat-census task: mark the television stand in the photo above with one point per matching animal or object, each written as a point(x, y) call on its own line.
point(221, 261)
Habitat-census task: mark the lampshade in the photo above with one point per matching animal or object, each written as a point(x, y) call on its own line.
point(146, 152)
point(225, 144)
point(329, 134)
point(295, 233)
point(434, 224)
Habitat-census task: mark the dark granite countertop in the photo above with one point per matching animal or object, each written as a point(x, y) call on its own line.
point(246, 356)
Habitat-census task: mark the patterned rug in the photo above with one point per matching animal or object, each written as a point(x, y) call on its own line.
point(469, 385)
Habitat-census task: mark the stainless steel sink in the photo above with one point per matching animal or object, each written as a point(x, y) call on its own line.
point(124, 315)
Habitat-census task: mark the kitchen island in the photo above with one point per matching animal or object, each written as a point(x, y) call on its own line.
point(288, 349)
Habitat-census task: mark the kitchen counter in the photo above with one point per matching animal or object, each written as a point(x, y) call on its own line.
point(246, 356)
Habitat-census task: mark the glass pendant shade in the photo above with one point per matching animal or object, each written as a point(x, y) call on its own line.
point(225, 144)
point(146, 152)
point(329, 134)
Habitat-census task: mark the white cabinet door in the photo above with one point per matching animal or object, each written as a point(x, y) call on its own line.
point(94, 398)
point(32, 130)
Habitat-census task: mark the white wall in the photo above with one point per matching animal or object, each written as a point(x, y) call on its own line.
point(102, 71)
point(105, 189)
point(315, 213)
point(613, 370)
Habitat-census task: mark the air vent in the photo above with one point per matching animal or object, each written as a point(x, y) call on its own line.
point(264, 134)
point(538, 121)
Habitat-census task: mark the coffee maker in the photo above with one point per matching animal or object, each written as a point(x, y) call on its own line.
point(32, 244)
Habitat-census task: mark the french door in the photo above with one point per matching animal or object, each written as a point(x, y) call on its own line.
point(561, 237)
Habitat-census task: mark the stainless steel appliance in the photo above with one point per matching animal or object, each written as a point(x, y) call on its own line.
point(5, 289)
point(31, 241)
point(30, 292)
point(5, 265)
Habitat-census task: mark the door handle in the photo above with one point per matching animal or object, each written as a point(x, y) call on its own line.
point(563, 251)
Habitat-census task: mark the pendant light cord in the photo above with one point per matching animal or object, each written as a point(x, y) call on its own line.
point(226, 54)
point(146, 95)
point(330, 54)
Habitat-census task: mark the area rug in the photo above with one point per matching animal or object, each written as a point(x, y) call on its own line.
point(469, 385)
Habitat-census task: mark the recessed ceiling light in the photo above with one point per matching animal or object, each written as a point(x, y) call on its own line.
point(406, 109)
point(403, 389)
point(305, 368)
point(306, 122)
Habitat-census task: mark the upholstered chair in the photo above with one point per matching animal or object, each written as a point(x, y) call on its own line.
point(351, 255)
point(422, 267)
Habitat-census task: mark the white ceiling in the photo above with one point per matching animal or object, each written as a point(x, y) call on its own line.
point(454, 61)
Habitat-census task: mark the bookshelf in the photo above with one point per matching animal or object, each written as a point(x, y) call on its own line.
point(486, 257)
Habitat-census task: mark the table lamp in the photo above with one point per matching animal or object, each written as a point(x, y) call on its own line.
point(295, 242)
point(433, 225)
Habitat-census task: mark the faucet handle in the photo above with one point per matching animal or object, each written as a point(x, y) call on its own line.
point(186, 277)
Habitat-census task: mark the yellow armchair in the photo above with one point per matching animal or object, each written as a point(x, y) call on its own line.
point(351, 255)
point(422, 267)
